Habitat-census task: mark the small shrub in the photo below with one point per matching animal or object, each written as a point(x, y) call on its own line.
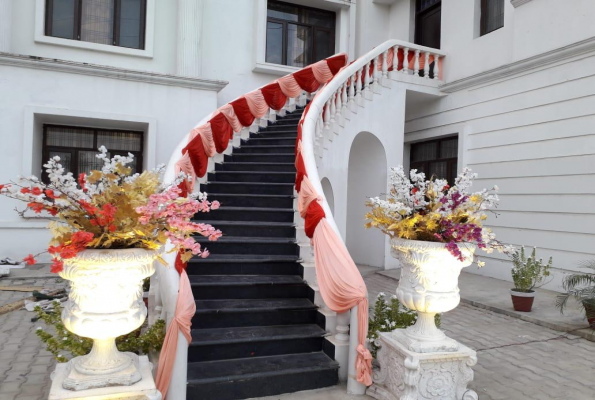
point(529, 273)
point(62, 340)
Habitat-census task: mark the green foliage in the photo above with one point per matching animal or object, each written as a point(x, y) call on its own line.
point(581, 287)
point(62, 340)
point(529, 273)
point(388, 316)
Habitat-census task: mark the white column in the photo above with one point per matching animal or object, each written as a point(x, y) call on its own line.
point(353, 386)
point(5, 25)
point(188, 41)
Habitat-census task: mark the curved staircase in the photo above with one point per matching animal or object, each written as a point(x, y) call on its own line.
point(256, 331)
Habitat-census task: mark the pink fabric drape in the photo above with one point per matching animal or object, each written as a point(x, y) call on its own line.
point(306, 195)
point(342, 287)
point(289, 86)
point(232, 118)
point(321, 71)
point(185, 310)
point(185, 165)
point(256, 103)
point(206, 134)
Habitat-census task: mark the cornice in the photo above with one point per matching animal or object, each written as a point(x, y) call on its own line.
point(540, 60)
point(49, 64)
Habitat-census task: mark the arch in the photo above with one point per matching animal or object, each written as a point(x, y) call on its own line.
point(327, 189)
point(366, 177)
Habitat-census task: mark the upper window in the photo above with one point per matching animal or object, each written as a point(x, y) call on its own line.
point(427, 23)
point(298, 36)
point(77, 147)
point(111, 22)
point(437, 158)
point(492, 16)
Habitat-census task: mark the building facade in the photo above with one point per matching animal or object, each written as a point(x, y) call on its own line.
point(515, 100)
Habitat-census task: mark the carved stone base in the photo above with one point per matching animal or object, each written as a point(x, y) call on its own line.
point(425, 346)
point(79, 378)
point(407, 375)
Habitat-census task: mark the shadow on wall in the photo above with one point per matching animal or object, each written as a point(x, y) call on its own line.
point(327, 189)
point(366, 178)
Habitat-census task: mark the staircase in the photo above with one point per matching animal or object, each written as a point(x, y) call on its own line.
point(256, 331)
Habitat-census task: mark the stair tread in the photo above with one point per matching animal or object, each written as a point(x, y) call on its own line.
point(253, 223)
point(249, 239)
point(255, 334)
point(257, 172)
point(243, 280)
point(246, 258)
point(255, 163)
point(252, 209)
point(248, 305)
point(214, 195)
point(245, 368)
point(250, 183)
point(271, 145)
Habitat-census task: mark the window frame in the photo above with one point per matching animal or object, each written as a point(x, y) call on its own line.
point(45, 149)
point(314, 28)
point(49, 6)
point(483, 17)
point(450, 171)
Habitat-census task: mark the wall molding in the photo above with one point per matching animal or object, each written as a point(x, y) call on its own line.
point(540, 60)
point(72, 67)
point(518, 3)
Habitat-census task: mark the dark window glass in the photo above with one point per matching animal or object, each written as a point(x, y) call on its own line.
point(62, 19)
point(109, 22)
point(77, 147)
point(428, 15)
point(298, 36)
point(492, 16)
point(437, 158)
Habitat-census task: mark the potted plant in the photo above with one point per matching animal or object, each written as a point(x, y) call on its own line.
point(107, 227)
point(434, 231)
point(581, 287)
point(528, 273)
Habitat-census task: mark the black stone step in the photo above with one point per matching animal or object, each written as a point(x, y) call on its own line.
point(248, 214)
point(253, 312)
point(286, 149)
point(252, 176)
point(275, 133)
point(288, 120)
point(250, 245)
point(269, 141)
point(253, 200)
point(258, 158)
point(250, 287)
point(255, 228)
point(254, 341)
point(247, 166)
point(260, 376)
point(245, 264)
point(248, 188)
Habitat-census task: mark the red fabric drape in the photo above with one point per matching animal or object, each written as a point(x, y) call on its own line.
point(314, 214)
point(180, 265)
point(301, 172)
point(198, 157)
point(274, 96)
point(335, 63)
point(240, 107)
point(222, 132)
point(305, 78)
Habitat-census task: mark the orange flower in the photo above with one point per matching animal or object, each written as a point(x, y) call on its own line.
point(30, 260)
point(57, 266)
point(36, 207)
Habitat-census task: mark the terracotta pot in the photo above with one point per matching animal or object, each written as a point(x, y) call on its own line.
point(590, 312)
point(522, 301)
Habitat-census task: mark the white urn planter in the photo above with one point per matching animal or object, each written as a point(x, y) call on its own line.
point(105, 301)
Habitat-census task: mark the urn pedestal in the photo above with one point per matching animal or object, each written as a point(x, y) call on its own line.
point(421, 362)
point(105, 302)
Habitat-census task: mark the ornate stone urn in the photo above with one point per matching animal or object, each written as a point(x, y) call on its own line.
point(429, 284)
point(105, 301)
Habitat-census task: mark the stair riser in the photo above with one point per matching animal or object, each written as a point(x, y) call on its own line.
point(253, 292)
point(269, 142)
point(246, 157)
point(262, 202)
point(290, 132)
point(254, 318)
point(281, 249)
point(246, 188)
point(241, 215)
point(255, 167)
point(293, 120)
point(264, 150)
point(251, 177)
point(257, 231)
point(207, 268)
point(198, 353)
point(263, 386)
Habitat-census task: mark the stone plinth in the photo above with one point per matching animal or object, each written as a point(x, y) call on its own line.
point(142, 390)
point(407, 375)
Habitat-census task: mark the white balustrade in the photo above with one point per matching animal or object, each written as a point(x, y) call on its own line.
point(367, 91)
point(376, 84)
point(405, 60)
point(344, 100)
point(352, 100)
point(427, 65)
point(416, 70)
point(385, 67)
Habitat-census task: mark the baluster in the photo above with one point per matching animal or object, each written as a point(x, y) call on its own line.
point(254, 126)
point(376, 83)
point(384, 80)
point(367, 92)
point(358, 88)
point(427, 65)
point(327, 116)
point(344, 112)
point(405, 60)
point(436, 67)
point(352, 102)
point(339, 116)
point(416, 70)
point(264, 121)
point(342, 344)
point(333, 111)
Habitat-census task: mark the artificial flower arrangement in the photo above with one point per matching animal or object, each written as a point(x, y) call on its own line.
point(112, 208)
point(431, 210)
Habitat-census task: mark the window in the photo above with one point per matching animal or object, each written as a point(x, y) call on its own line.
point(111, 22)
point(436, 158)
point(427, 23)
point(492, 16)
point(298, 36)
point(77, 147)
